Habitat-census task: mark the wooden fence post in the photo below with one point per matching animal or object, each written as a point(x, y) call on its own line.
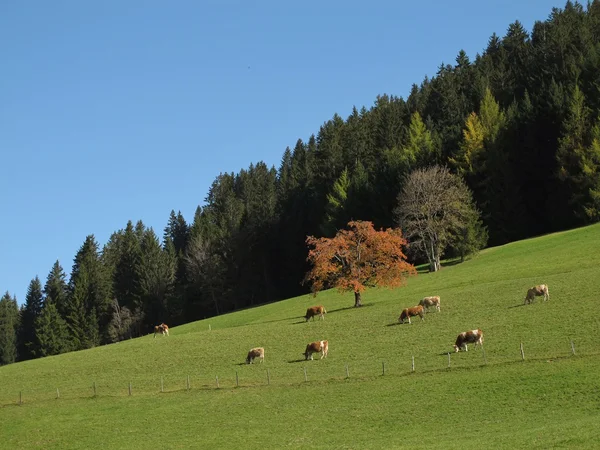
point(237, 380)
point(94, 388)
point(382, 367)
point(57, 393)
point(162, 385)
point(20, 397)
point(268, 377)
point(448, 359)
point(572, 347)
point(522, 353)
point(217, 378)
point(413, 363)
point(130, 388)
point(305, 377)
point(347, 372)
point(188, 382)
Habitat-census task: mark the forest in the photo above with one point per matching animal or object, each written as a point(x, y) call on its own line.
point(519, 124)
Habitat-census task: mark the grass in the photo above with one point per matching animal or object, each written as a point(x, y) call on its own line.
point(552, 399)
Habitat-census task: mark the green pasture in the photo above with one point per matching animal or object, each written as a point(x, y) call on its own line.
point(472, 400)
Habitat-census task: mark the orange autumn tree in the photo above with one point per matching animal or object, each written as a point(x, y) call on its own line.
point(357, 258)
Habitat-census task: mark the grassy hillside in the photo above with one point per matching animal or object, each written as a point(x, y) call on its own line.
point(549, 400)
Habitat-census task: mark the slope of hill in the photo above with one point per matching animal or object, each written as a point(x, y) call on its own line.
point(490, 399)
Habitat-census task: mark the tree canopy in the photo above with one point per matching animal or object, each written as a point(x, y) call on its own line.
point(435, 209)
point(356, 258)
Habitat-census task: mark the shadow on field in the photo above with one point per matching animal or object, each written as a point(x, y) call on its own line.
point(395, 323)
point(296, 360)
point(516, 306)
point(365, 305)
point(424, 268)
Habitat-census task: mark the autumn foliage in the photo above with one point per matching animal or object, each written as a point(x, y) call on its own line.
point(357, 258)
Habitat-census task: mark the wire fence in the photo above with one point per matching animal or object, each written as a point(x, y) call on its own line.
point(300, 372)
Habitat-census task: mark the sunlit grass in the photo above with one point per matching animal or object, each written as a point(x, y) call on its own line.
point(549, 400)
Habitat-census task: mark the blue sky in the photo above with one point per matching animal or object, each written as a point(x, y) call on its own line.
point(119, 110)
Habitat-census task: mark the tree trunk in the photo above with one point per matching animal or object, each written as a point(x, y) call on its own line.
point(212, 291)
point(357, 301)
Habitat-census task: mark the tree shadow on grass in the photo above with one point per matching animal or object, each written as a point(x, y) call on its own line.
point(346, 308)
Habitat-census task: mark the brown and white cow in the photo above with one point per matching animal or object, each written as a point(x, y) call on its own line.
point(430, 302)
point(162, 329)
point(537, 291)
point(468, 337)
point(407, 313)
point(316, 347)
point(315, 311)
point(256, 352)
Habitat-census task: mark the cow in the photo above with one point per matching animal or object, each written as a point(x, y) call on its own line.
point(257, 352)
point(316, 347)
point(315, 311)
point(407, 313)
point(430, 302)
point(468, 337)
point(537, 291)
point(162, 329)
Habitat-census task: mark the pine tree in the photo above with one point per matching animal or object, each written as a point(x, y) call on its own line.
point(81, 318)
point(336, 204)
point(156, 274)
point(9, 323)
point(579, 158)
point(125, 278)
point(88, 311)
point(56, 290)
point(28, 346)
point(419, 149)
point(51, 331)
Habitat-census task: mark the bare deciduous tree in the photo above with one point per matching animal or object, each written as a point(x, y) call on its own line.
point(434, 208)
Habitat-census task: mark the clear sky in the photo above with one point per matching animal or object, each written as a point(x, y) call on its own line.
point(116, 110)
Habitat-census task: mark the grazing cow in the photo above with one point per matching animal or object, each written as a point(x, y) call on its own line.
point(316, 347)
point(537, 291)
point(468, 337)
point(315, 311)
point(407, 313)
point(162, 329)
point(257, 352)
point(430, 302)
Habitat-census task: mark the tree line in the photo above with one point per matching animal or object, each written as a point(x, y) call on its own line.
point(519, 125)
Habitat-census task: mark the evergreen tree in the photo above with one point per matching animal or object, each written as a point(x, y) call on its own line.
point(56, 290)
point(28, 346)
point(579, 158)
point(81, 319)
point(125, 278)
point(89, 297)
point(419, 149)
point(336, 204)
point(9, 323)
point(51, 331)
point(156, 274)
